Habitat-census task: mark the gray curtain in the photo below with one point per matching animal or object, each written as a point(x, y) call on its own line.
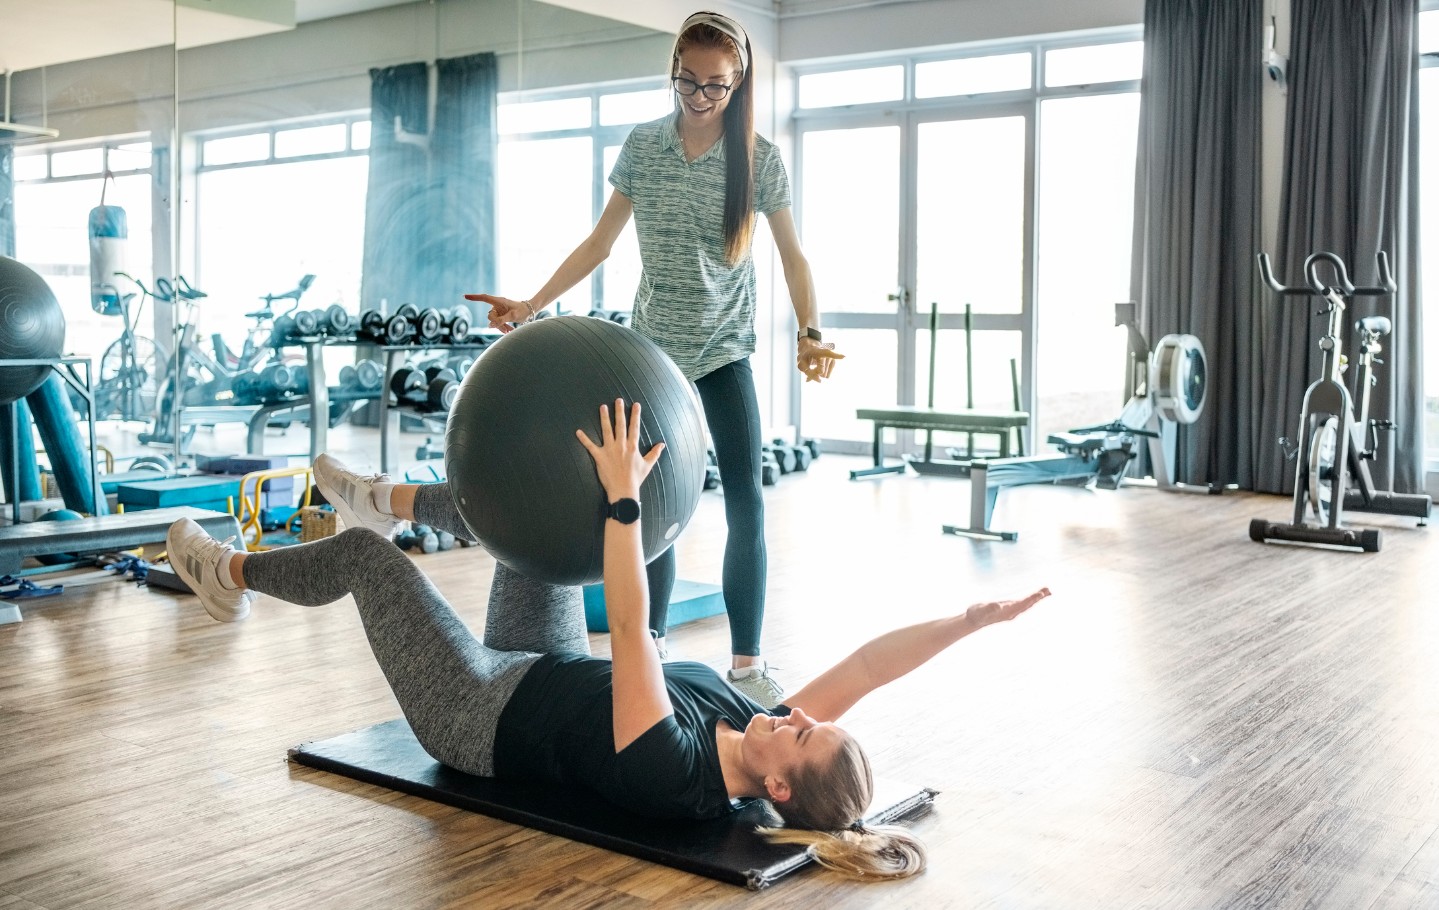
point(7, 201)
point(1196, 225)
point(429, 210)
point(1350, 187)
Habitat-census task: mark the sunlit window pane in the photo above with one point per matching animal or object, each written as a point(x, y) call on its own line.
point(971, 215)
point(77, 162)
point(535, 116)
point(1429, 32)
point(1429, 253)
point(1094, 64)
point(265, 227)
point(635, 107)
point(1086, 170)
point(868, 375)
point(849, 237)
point(865, 86)
point(973, 75)
point(132, 157)
point(30, 167)
point(311, 140)
point(360, 135)
point(235, 149)
point(622, 268)
point(543, 199)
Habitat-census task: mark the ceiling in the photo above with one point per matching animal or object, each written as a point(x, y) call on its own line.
point(59, 31)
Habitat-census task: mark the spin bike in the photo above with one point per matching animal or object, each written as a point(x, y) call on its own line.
point(1335, 445)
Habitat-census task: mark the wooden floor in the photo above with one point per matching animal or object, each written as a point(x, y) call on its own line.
point(1193, 720)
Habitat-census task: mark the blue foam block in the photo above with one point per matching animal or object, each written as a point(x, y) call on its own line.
point(691, 600)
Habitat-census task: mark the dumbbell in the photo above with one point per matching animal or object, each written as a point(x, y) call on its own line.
point(441, 388)
point(768, 471)
point(246, 388)
point(782, 457)
point(364, 376)
point(619, 317)
point(408, 384)
point(598, 314)
point(429, 325)
point(457, 327)
point(337, 322)
point(799, 454)
point(420, 537)
point(813, 446)
point(393, 329)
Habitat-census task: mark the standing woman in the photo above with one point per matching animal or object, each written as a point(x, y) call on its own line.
point(694, 181)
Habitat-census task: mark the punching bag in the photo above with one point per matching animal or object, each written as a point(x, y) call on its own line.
point(108, 232)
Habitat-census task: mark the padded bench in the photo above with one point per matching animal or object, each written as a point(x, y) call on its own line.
point(1000, 424)
point(102, 534)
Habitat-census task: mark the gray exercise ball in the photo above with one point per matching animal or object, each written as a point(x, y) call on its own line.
point(525, 485)
point(32, 327)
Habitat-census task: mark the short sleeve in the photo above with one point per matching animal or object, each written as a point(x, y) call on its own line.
point(622, 174)
point(772, 191)
point(658, 777)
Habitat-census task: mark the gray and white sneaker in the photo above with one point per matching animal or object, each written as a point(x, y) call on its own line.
point(351, 495)
point(196, 557)
point(756, 684)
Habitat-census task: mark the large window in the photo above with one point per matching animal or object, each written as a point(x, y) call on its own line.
point(969, 220)
point(556, 153)
point(271, 206)
point(1429, 226)
point(55, 189)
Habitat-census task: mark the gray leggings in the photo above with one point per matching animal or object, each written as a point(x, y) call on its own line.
point(450, 686)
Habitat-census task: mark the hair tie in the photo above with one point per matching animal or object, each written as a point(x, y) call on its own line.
point(858, 826)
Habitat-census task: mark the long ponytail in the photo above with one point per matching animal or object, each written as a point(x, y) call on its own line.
point(865, 853)
point(739, 214)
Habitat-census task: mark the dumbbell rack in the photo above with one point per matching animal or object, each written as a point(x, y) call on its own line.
point(394, 356)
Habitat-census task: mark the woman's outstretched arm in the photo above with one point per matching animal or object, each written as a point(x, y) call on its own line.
point(637, 679)
point(893, 654)
point(586, 257)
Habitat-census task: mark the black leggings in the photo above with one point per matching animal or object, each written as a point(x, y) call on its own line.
point(732, 412)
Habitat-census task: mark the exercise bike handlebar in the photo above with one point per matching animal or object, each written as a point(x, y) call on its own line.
point(1317, 286)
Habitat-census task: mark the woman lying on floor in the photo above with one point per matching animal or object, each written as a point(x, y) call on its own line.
point(529, 702)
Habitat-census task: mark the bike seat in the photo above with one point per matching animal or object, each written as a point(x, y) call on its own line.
point(188, 292)
point(1374, 325)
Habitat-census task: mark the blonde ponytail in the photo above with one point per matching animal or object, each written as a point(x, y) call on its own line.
point(865, 853)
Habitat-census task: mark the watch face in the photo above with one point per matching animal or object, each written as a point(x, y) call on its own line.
point(625, 511)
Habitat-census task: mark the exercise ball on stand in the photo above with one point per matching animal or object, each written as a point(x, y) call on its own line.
point(32, 327)
point(522, 481)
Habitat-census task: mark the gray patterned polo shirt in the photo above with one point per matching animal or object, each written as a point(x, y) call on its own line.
point(691, 302)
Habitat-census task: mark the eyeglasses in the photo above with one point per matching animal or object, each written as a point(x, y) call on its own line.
point(714, 91)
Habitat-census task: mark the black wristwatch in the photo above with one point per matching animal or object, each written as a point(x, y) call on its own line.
point(625, 511)
point(809, 332)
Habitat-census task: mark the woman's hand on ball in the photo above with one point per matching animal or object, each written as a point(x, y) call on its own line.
point(504, 312)
point(618, 461)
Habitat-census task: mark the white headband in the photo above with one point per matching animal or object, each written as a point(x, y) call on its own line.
point(724, 24)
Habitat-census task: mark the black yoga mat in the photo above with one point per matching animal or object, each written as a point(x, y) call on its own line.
point(726, 849)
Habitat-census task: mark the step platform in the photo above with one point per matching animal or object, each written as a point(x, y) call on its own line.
point(691, 600)
point(103, 534)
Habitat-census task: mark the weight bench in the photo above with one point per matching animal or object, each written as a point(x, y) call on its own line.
point(1000, 424)
point(96, 535)
point(726, 849)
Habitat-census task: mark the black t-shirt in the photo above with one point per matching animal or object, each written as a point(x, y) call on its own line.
point(559, 727)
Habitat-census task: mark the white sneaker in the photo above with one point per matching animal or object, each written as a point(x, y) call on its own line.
point(756, 684)
point(351, 495)
point(196, 557)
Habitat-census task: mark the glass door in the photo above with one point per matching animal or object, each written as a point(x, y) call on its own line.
point(908, 217)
